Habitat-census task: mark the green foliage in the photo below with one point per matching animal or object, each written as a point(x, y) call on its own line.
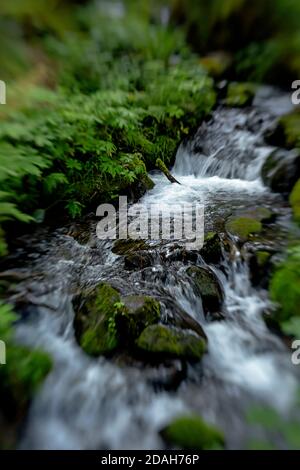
point(285, 286)
point(269, 419)
point(191, 432)
point(295, 201)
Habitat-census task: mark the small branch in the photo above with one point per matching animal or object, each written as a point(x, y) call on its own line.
point(162, 167)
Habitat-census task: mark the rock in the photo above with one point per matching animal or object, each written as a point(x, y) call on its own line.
point(287, 131)
point(140, 187)
point(129, 246)
point(243, 227)
point(212, 249)
point(94, 322)
point(139, 260)
point(208, 287)
point(191, 432)
point(260, 265)
point(138, 312)
point(295, 201)
point(170, 341)
point(281, 170)
point(240, 94)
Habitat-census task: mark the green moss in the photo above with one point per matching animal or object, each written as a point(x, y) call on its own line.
point(208, 287)
point(285, 286)
point(243, 227)
point(290, 125)
point(139, 312)
point(262, 257)
point(166, 341)
point(240, 94)
point(191, 432)
point(95, 319)
point(295, 201)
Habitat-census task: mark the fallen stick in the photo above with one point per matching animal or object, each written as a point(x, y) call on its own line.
point(162, 167)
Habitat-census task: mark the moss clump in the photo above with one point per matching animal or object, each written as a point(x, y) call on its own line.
point(95, 320)
point(240, 94)
point(191, 432)
point(139, 312)
point(295, 201)
point(243, 227)
point(163, 340)
point(208, 287)
point(290, 125)
point(285, 286)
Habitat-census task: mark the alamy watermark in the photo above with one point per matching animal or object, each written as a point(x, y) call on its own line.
point(296, 94)
point(2, 92)
point(184, 222)
point(296, 354)
point(2, 352)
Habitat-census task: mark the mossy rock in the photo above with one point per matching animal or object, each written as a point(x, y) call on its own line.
point(262, 214)
point(285, 287)
point(216, 63)
point(94, 321)
point(191, 432)
point(295, 201)
point(212, 249)
point(281, 170)
point(287, 131)
point(243, 227)
point(240, 94)
point(208, 287)
point(166, 341)
point(260, 267)
point(129, 246)
point(138, 312)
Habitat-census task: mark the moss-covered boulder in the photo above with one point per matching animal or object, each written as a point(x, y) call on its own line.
point(295, 201)
point(260, 267)
point(212, 248)
point(137, 312)
point(281, 170)
point(243, 227)
point(285, 287)
point(216, 63)
point(240, 94)
point(94, 322)
point(164, 341)
point(287, 132)
point(207, 286)
point(191, 432)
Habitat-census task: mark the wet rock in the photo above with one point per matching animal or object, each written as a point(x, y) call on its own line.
point(286, 133)
point(136, 313)
point(281, 170)
point(260, 267)
point(212, 249)
point(169, 341)
point(240, 94)
point(129, 246)
point(140, 187)
point(139, 260)
point(243, 227)
point(295, 201)
point(94, 321)
point(191, 432)
point(207, 286)
point(184, 321)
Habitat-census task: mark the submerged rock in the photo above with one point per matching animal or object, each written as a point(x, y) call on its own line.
point(137, 312)
point(212, 249)
point(281, 170)
point(94, 322)
point(169, 341)
point(208, 287)
point(191, 432)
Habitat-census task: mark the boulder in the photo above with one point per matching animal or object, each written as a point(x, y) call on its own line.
point(212, 248)
point(281, 170)
point(191, 432)
point(207, 286)
point(243, 227)
point(161, 340)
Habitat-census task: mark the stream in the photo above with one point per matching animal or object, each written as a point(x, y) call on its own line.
point(122, 403)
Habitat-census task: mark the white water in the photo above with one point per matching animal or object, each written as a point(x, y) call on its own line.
point(88, 403)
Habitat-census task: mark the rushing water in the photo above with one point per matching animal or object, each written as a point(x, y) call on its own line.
point(88, 403)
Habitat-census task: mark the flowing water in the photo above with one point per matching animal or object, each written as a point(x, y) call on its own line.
point(121, 403)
